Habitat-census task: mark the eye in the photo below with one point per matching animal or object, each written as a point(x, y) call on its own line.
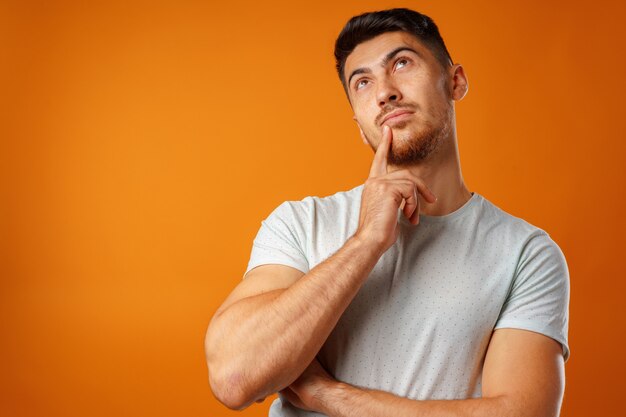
point(358, 83)
point(403, 59)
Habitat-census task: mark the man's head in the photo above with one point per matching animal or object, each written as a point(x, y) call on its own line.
point(395, 60)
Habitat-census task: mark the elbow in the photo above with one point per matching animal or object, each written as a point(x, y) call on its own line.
point(230, 395)
point(227, 387)
point(231, 389)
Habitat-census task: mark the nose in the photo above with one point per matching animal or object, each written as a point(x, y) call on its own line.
point(387, 92)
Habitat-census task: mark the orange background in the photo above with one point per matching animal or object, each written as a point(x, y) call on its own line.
point(142, 143)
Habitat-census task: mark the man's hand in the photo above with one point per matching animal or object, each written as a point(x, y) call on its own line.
point(523, 375)
point(383, 194)
point(305, 392)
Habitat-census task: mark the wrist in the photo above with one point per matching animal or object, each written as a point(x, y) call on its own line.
point(330, 395)
point(368, 245)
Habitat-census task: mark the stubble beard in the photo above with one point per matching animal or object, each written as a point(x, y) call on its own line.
point(421, 145)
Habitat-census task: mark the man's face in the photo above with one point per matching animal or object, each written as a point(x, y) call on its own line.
point(410, 80)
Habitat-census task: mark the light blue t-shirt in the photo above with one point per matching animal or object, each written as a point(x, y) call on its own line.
point(420, 325)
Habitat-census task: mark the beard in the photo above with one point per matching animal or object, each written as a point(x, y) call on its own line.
point(413, 147)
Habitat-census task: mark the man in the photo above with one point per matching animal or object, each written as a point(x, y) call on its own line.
point(406, 290)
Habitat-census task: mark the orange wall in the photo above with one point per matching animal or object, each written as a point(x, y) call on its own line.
point(142, 145)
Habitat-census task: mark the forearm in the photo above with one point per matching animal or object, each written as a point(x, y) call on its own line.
point(263, 343)
point(344, 400)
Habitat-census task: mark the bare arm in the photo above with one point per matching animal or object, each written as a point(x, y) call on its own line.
point(260, 344)
point(523, 376)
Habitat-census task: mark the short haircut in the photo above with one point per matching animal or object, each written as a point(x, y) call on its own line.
point(366, 26)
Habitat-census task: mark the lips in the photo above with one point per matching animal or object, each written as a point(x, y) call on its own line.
point(394, 114)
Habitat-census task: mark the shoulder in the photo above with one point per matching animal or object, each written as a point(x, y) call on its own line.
point(314, 206)
point(510, 226)
point(532, 244)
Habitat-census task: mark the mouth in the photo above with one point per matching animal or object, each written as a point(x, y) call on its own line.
point(397, 115)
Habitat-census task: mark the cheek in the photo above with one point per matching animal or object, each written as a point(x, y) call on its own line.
point(362, 101)
point(366, 115)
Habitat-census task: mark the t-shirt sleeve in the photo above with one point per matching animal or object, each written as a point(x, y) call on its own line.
point(539, 298)
point(280, 240)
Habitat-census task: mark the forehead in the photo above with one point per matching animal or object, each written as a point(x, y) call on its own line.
point(370, 53)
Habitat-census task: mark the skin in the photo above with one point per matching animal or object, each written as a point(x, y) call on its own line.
point(416, 161)
point(425, 142)
point(523, 374)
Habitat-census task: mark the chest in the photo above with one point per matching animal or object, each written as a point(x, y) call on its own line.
point(421, 304)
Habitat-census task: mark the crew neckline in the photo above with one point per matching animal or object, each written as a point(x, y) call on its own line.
point(461, 211)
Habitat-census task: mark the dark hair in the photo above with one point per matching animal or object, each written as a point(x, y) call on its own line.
point(366, 26)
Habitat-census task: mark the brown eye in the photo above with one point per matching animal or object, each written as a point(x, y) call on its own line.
point(358, 83)
point(401, 60)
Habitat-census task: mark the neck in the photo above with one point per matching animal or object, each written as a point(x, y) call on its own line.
point(442, 174)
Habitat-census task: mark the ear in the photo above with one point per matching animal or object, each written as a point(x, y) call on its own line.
point(361, 131)
point(459, 86)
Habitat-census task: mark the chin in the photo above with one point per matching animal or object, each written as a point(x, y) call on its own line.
point(413, 147)
point(404, 132)
point(400, 125)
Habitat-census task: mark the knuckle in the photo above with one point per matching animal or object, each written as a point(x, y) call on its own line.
point(416, 179)
point(411, 177)
point(405, 174)
point(384, 186)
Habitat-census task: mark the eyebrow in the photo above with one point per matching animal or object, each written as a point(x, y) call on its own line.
point(385, 61)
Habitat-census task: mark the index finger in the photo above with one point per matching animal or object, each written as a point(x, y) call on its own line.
point(379, 164)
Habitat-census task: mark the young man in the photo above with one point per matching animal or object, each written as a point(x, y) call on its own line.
point(406, 290)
